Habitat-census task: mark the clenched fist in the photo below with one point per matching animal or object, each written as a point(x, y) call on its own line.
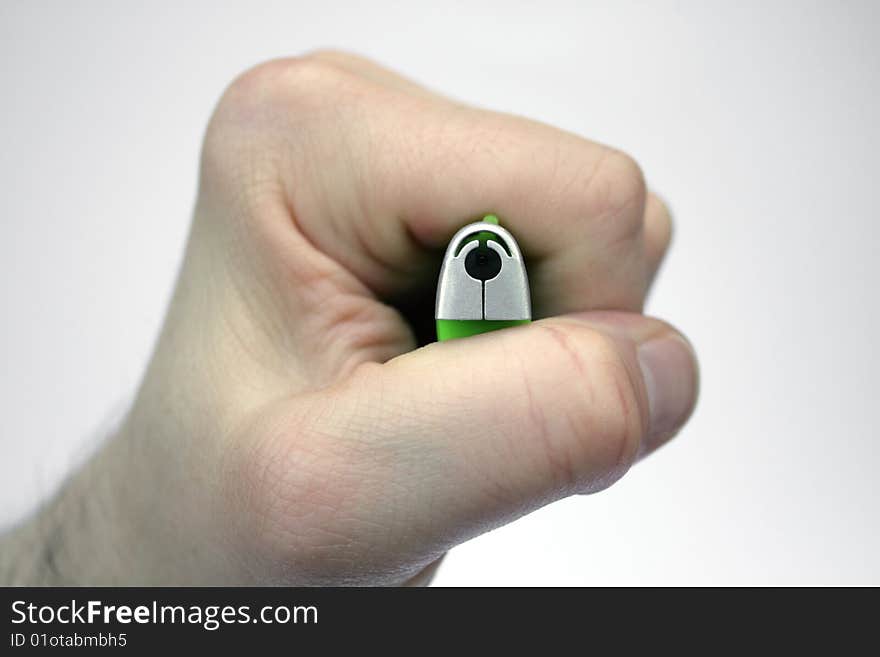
point(290, 428)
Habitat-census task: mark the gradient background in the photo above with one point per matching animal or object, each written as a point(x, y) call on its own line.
point(758, 121)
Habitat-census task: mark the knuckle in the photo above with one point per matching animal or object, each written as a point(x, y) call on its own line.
point(282, 83)
point(658, 214)
point(603, 418)
point(261, 117)
point(659, 208)
point(614, 389)
point(626, 180)
point(619, 193)
point(331, 56)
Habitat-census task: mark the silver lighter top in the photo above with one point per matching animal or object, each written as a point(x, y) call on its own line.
point(483, 276)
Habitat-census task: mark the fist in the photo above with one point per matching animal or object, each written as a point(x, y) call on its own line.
point(296, 425)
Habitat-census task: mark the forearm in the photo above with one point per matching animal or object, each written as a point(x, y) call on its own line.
point(73, 539)
point(29, 552)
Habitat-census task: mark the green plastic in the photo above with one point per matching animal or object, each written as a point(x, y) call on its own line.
point(450, 329)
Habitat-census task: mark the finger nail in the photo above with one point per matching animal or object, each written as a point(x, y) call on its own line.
point(670, 372)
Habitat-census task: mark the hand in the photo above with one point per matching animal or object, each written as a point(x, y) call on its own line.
point(288, 429)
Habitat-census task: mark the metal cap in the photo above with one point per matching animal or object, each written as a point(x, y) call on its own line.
point(496, 287)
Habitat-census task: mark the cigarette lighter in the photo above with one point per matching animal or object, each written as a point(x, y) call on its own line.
point(483, 283)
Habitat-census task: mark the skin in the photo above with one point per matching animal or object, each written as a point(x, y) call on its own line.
point(289, 428)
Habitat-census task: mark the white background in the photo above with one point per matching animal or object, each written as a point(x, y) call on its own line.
point(758, 122)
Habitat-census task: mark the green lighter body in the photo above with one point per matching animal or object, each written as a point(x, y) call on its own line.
point(483, 283)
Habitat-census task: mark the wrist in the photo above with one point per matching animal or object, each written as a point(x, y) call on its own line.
point(76, 538)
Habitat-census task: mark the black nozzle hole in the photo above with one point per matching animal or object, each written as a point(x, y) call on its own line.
point(482, 263)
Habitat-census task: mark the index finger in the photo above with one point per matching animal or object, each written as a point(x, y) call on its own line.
point(379, 177)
